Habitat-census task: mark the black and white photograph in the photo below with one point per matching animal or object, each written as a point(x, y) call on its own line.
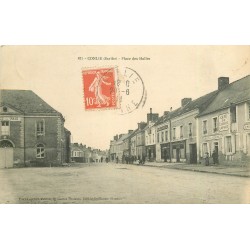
point(125, 125)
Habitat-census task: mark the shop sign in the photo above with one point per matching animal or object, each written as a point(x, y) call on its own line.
point(223, 122)
point(247, 126)
point(11, 118)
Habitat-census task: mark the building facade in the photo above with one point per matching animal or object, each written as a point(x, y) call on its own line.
point(224, 126)
point(32, 133)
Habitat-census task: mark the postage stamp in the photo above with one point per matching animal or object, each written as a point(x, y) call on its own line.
point(114, 87)
point(99, 88)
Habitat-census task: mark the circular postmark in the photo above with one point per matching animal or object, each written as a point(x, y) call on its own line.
point(131, 89)
point(119, 88)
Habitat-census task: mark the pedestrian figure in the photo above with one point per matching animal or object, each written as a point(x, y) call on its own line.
point(143, 159)
point(207, 159)
point(117, 159)
point(215, 157)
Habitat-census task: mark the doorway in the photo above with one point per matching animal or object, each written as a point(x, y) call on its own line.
point(177, 155)
point(193, 153)
point(6, 154)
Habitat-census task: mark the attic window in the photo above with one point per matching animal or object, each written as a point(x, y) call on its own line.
point(5, 109)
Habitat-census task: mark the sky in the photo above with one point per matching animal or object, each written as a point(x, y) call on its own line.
point(172, 73)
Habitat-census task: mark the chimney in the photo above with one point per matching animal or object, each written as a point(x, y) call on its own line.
point(120, 135)
point(130, 131)
point(152, 117)
point(185, 101)
point(142, 125)
point(171, 108)
point(116, 137)
point(165, 113)
point(223, 82)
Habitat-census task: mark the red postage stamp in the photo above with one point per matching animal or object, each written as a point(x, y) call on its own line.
point(99, 88)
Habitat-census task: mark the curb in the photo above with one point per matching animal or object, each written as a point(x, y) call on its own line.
point(197, 170)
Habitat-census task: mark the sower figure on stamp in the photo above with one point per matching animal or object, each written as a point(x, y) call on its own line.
point(97, 89)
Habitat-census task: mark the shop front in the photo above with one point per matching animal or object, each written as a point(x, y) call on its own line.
point(179, 151)
point(165, 152)
point(151, 152)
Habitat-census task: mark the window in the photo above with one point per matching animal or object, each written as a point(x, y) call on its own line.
point(158, 137)
point(5, 128)
point(204, 126)
point(166, 135)
point(229, 148)
point(40, 151)
point(40, 128)
point(5, 109)
point(249, 111)
point(174, 133)
point(190, 129)
point(150, 139)
point(162, 136)
point(233, 113)
point(146, 139)
point(153, 138)
point(204, 149)
point(215, 124)
point(181, 131)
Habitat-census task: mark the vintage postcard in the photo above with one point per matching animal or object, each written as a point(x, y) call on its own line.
point(124, 124)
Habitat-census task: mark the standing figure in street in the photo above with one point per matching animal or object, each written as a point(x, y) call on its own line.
point(207, 159)
point(96, 87)
point(215, 157)
point(117, 159)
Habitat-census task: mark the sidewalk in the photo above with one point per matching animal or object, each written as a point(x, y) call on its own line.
point(216, 169)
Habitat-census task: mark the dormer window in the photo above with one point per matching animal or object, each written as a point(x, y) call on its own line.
point(5, 109)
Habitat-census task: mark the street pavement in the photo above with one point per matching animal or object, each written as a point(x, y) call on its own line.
point(242, 171)
point(120, 183)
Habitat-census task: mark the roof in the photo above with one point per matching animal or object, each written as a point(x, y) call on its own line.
point(236, 92)
point(200, 103)
point(25, 101)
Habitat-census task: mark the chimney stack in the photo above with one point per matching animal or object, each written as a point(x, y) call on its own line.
point(165, 113)
point(130, 131)
point(152, 117)
point(223, 82)
point(142, 125)
point(120, 135)
point(185, 101)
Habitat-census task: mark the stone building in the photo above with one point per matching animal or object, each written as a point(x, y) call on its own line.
point(32, 133)
point(224, 126)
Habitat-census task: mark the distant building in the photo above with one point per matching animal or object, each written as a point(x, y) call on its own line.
point(32, 133)
point(78, 152)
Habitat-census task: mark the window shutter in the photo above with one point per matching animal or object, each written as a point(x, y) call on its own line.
point(245, 149)
point(233, 144)
point(223, 145)
point(208, 149)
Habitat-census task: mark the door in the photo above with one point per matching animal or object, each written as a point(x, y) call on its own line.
point(193, 154)
point(178, 155)
point(6, 157)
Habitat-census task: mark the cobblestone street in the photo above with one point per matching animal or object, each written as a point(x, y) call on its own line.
point(120, 183)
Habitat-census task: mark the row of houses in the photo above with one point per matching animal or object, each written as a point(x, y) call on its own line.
point(82, 153)
point(216, 122)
